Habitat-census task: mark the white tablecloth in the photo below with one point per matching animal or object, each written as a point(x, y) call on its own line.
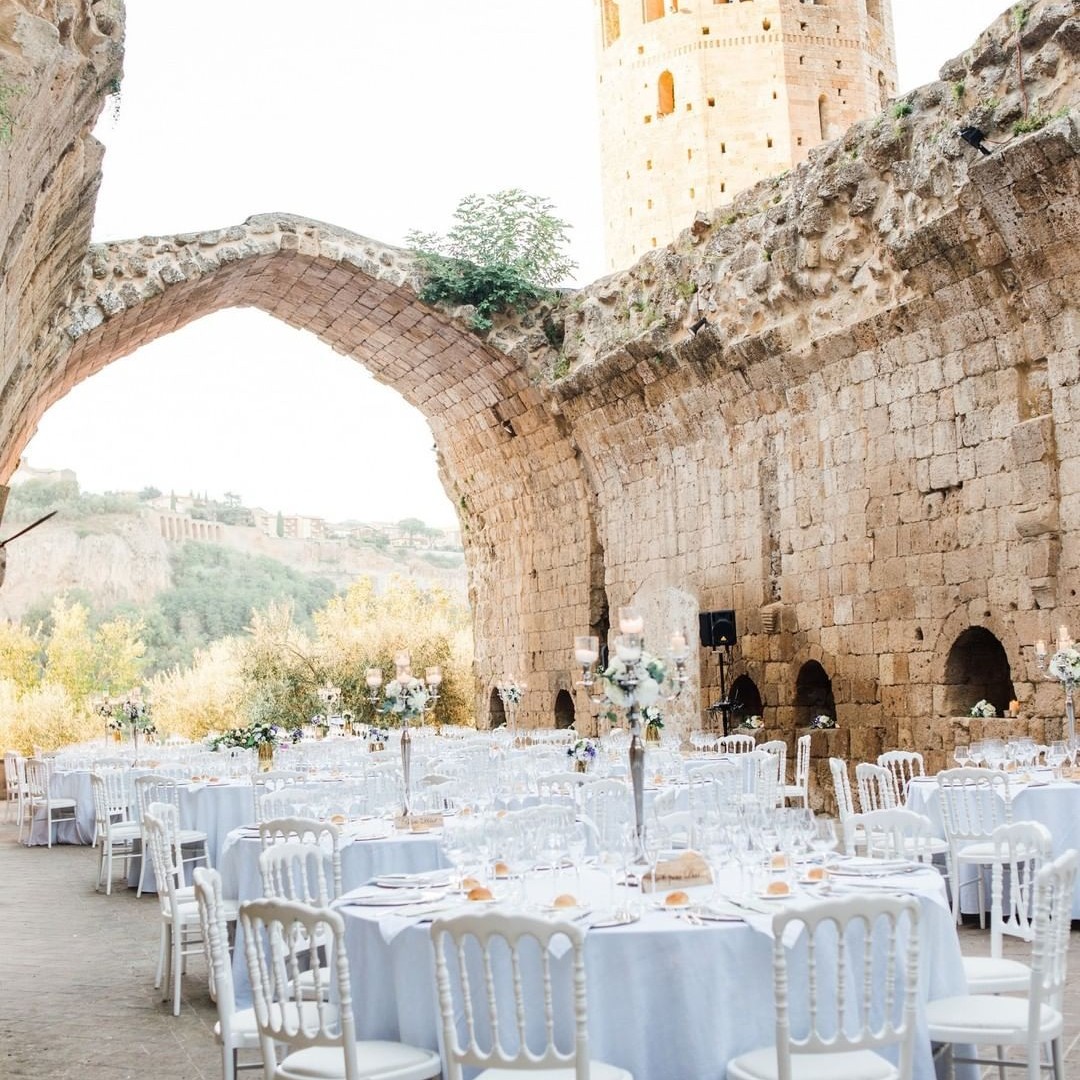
point(666, 1000)
point(1055, 805)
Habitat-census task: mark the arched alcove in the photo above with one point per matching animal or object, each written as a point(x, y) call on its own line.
point(747, 698)
point(873, 9)
point(665, 94)
point(813, 693)
point(496, 711)
point(565, 713)
point(977, 669)
point(652, 10)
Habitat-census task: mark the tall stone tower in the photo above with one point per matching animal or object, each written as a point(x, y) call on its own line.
point(701, 98)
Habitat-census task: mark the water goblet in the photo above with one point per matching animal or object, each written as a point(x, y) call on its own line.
point(962, 754)
point(824, 839)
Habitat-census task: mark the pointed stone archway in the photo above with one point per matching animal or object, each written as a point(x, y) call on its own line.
point(503, 459)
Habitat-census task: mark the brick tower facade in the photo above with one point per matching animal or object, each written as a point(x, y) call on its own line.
point(699, 99)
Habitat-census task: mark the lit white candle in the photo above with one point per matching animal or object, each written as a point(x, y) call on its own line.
point(433, 676)
point(678, 644)
point(628, 648)
point(586, 649)
point(1063, 641)
point(631, 621)
point(1040, 648)
point(373, 678)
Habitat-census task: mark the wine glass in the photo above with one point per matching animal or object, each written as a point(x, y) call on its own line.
point(962, 754)
point(824, 839)
point(1056, 754)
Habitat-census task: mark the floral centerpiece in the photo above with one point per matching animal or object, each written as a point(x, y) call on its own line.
point(653, 719)
point(132, 715)
point(510, 693)
point(752, 723)
point(254, 735)
point(405, 698)
point(822, 722)
point(376, 737)
point(583, 753)
point(1065, 666)
point(982, 708)
point(649, 672)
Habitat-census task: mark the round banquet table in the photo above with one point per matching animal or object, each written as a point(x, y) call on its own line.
point(1055, 804)
point(666, 1000)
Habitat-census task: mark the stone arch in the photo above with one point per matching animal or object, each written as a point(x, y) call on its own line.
point(665, 94)
point(565, 711)
point(873, 10)
point(496, 710)
point(975, 615)
point(745, 692)
point(976, 669)
point(506, 461)
point(813, 693)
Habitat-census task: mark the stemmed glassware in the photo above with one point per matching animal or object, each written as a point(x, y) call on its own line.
point(962, 755)
point(824, 839)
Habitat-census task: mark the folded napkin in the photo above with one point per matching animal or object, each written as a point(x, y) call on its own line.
point(687, 869)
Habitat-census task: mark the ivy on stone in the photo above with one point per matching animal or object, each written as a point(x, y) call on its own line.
point(504, 250)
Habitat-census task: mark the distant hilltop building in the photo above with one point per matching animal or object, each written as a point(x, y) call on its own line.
point(26, 471)
point(700, 99)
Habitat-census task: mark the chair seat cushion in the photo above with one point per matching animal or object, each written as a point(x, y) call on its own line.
point(984, 1018)
point(245, 1030)
point(57, 804)
point(123, 832)
point(995, 975)
point(858, 1065)
point(982, 852)
point(385, 1060)
point(598, 1070)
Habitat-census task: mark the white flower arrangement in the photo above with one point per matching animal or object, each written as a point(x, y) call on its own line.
point(405, 698)
point(752, 723)
point(983, 708)
point(823, 722)
point(647, 675)
point(510, 693)
point(652, 716)
point(1065, 665)
point(583, 750)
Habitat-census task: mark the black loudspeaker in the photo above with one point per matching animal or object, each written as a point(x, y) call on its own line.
point(717, 629)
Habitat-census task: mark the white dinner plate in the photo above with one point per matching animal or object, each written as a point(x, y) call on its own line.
point(384, 898)
point(860, 865)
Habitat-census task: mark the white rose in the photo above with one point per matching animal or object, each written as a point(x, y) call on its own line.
point(648, 692)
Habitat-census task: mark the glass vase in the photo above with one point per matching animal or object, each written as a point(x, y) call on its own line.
point(266, 756)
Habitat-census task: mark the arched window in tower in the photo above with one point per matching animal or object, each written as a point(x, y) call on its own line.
point(564, 710)
point(653, 10)
point(873, 9)
point(496, 711)
point(882, 89)
point(823, 117)
point(665, 94)
point(610, 16)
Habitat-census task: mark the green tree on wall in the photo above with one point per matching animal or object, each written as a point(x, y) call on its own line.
point(279, 528)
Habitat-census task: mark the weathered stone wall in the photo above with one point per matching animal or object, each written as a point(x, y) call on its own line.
point(843, 405)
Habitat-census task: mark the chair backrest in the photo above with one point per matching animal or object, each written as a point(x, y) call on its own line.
point(608, 804)
point(1022, 849)
point(893, 833)
point(779, 748)
point(215, 934)
point(845, 806)
point(877, 790)
point(764, 778)
point(974, 802)
point(109, 788)
point(277, 944)
point(802, 761)
point(156, 788)
point(736, 744)
point(715, 786)
point(274, 780)
point(36, 772)
point(561, 783)
point(476, 956)
point(161, 828)
point(294, 870)
point(306, 830)
point(904, 766)
point(1054, 886)
point(11, 773)
point(862, 978)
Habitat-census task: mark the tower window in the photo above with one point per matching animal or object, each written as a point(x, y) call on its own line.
point(838, 64)
point(774, 95)
point(665, 94)
point(649, 204)
point(689, 154)
point(691, 193)
point(823, 117)
point(648, 164)
point(704, 31)
point(723, 187)
point(723, 148)
point(711, 102)
point(768, 141)
point(610, 15)
point(766, 25)
point(802, 59)
point(653, 10)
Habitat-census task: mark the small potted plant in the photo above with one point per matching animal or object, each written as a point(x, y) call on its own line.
point(823, 722)
point(982, 709)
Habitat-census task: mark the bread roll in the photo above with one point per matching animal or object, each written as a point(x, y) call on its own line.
point(676, 899)
point(564, 900)
point(479, 892)
point(778, 888)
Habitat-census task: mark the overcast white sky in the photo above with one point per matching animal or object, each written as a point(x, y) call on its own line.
point(377, 117)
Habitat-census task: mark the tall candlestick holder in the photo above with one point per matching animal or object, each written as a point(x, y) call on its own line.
point(1064, 666)
point(633, 681)
point(407, 698)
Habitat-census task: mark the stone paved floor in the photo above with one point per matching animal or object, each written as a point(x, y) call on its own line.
point(76, 974)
